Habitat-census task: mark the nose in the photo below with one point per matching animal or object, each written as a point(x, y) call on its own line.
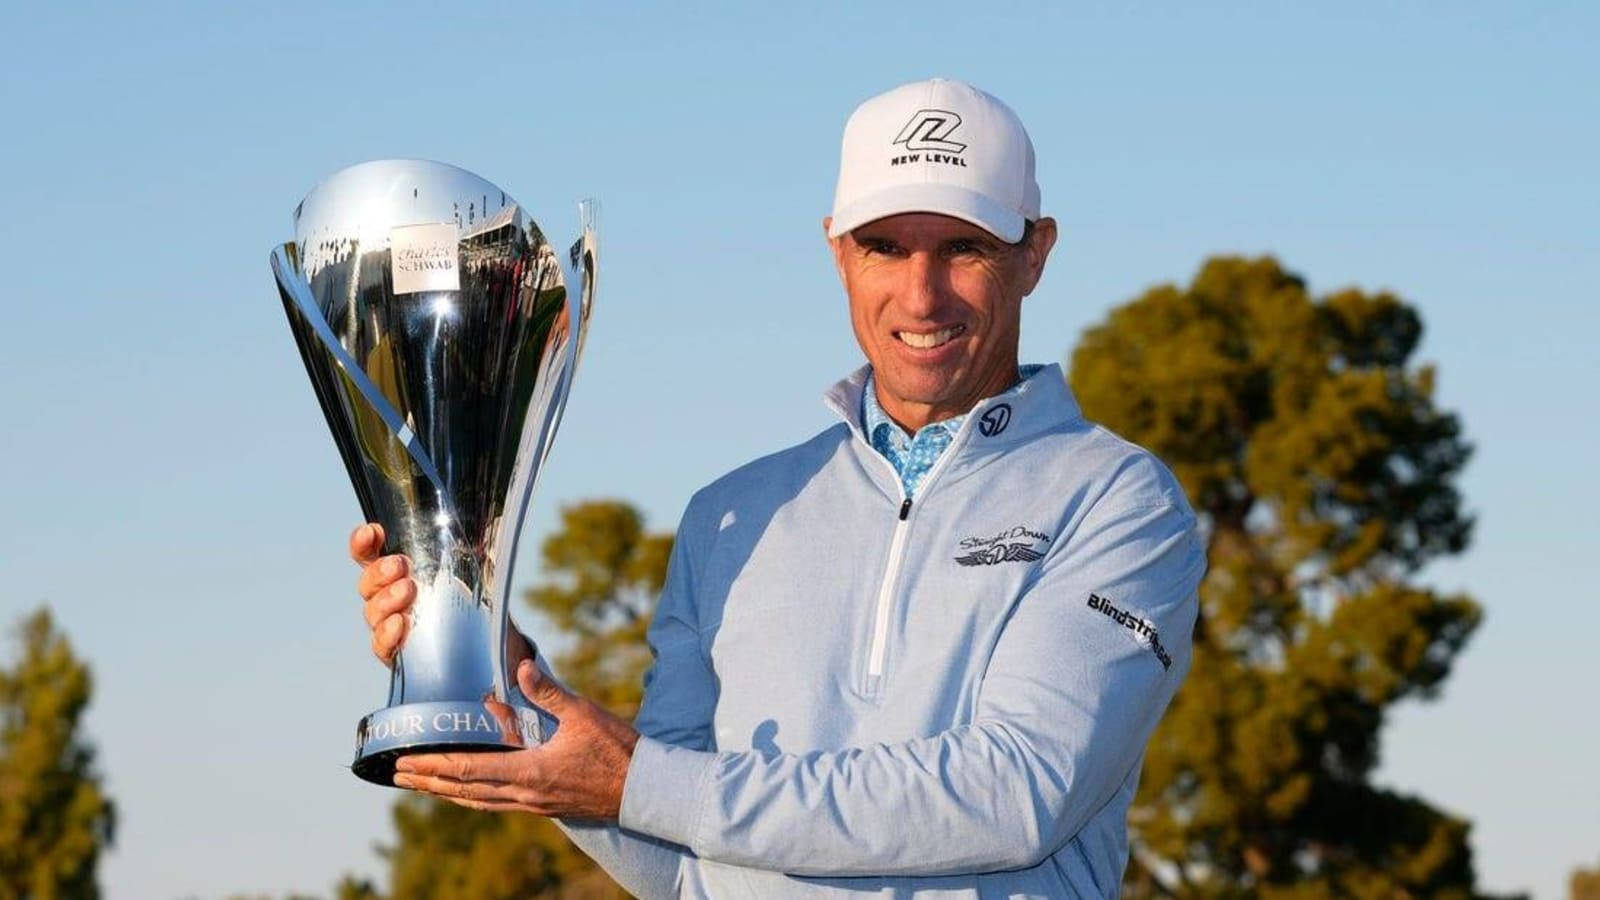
point(922, 291)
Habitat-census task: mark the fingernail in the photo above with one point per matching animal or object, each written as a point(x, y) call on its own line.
point(393, 566)
point(402, 781)
point(403, 765)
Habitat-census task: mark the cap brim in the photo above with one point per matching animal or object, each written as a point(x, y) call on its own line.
point(944, 199)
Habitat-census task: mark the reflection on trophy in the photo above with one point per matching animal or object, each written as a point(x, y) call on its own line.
point(441, 332)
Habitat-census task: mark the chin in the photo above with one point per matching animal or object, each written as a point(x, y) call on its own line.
point(925, 391)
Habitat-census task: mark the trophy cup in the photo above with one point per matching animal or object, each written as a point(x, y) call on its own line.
point(441, 331)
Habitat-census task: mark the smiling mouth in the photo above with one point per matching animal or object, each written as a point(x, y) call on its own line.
point(930, 340)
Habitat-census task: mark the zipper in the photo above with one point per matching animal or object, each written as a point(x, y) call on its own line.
point(891, 572)
point(891, 576)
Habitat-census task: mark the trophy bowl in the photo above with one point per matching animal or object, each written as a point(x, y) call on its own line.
point(441, 331)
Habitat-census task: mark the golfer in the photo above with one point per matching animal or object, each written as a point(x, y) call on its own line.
point(918, 655)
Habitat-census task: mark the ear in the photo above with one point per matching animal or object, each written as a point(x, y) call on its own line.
point(835, 246)
point(1038, 249)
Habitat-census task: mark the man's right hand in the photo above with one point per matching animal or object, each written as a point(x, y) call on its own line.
point(387, 591)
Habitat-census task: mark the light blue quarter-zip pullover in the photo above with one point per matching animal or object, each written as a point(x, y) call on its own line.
point(859, 694)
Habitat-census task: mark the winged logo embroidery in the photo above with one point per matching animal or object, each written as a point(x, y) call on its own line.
point(999, 553)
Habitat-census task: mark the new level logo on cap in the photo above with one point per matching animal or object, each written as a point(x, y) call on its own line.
point(930, 129)
point(928, 132)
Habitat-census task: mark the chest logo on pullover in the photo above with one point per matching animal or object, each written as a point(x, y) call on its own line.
point(1012, 545)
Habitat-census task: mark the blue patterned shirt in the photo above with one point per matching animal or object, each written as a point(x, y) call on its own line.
point(913, 456)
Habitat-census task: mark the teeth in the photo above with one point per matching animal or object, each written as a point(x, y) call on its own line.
point(929, 341)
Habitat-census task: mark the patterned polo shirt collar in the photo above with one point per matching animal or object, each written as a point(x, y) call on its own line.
point(912, 457)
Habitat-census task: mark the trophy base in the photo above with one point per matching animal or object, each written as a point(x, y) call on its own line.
point(446, 727)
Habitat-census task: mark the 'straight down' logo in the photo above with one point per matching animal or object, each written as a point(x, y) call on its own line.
point(1017, 544)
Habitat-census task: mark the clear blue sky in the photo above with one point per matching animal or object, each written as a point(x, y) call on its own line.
point(168, 486)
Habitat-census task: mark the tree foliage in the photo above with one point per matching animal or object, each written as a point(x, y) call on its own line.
point(608, 573)
point(1584, 884)
point(447, 851)
point(1323, 473)
point(605, 572)
point(55, 817)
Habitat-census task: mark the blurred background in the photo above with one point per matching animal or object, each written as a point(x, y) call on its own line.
point(1386, 211)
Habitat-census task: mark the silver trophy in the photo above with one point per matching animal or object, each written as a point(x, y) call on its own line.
point(441, 331)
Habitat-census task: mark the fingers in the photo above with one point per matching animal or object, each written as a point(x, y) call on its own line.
point(542, 690)
point(488, 768)
point(487, 805)
point(386, 592)
point(494, 805)
point(388, 635)
point(506, 718)
point(366, 543)
point(452, 787)
point(396, 598)
point(387, 614)
point(380, 573)
point(377, 571)
point(486, 795)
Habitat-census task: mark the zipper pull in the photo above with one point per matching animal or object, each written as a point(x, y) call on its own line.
point(905, 509)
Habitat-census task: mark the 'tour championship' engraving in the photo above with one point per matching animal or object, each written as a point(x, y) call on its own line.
point(438, 723)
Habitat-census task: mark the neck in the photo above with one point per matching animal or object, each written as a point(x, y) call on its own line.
point(912, 416)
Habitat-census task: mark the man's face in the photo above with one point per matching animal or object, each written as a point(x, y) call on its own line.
point(936, 304)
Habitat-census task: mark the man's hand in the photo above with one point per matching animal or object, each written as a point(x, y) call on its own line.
point(579, 773)
point(387, 591)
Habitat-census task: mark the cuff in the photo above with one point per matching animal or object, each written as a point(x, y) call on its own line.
point(662, 795)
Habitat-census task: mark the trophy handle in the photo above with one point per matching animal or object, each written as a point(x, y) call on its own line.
point(578, 269)
point(580, 266)
point(300, 304)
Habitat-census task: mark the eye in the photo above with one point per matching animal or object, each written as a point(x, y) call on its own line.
point(965, 247)
point(878, 246)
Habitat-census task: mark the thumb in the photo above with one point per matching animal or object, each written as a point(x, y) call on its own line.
point(541, 689)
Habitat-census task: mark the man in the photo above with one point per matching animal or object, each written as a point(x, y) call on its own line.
point(919, 654)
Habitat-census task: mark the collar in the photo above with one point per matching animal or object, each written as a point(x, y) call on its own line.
point(1039, 402)
point(873, 416)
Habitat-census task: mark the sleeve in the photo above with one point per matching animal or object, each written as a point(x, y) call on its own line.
point(1079, 677)
point(680, 693)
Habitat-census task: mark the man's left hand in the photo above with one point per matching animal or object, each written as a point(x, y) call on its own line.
point(577, 774)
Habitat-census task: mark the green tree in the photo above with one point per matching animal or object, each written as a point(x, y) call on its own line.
point(1584, 884)
point(447, 851)
point(1323, 473)
point(605, 572)
point(55, 817)
point(609, 571)
point(351, 887)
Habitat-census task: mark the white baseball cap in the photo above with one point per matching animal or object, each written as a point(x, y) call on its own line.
point(936, 146)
